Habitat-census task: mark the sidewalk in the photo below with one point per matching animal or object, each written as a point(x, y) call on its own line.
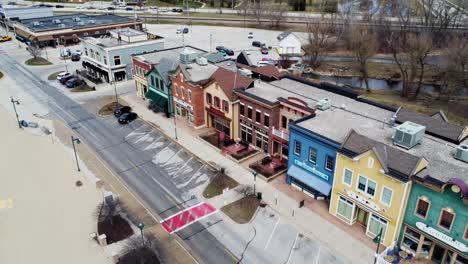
point(311, 224)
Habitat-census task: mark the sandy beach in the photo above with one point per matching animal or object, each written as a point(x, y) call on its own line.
point(44, 217)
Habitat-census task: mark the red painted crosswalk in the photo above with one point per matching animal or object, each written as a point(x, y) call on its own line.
point(188, 216)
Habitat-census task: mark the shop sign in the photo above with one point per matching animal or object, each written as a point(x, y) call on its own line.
point(183, 104)
point(247, 124)
point(442, 237)
point(262, 131)
point(311, 169)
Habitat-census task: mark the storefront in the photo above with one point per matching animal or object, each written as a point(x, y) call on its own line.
point(96, 70)
point(158, 102)
point(184, 110)
point(246, 131)
point(427, 242)
point(219, 121)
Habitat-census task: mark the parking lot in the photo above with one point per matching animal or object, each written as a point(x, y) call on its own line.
point(267, 239)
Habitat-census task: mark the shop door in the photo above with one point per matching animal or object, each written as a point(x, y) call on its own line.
point(438, 254)
point(362, 217)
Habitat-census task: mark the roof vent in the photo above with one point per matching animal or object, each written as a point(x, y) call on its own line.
point(57, 21)
point(324, 104)
point(76, 19)
point(202, 61)
point(408, 134)
point(462, 153)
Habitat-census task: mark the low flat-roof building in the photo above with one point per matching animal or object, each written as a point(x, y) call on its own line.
point(110, 57)
point(18, 13)
point(67, 29)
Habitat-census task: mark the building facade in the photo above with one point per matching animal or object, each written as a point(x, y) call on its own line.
point(436, 221)
point(140, 71)
point(159, 84)
point(110, 58)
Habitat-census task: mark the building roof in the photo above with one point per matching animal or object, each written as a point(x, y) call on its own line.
point(196, 73)
point(396, 163)
point(214, 57)
point(269, 71)
point(434, 126)
point(165, 67)
point(72, 21)
point(283, 35)
point(128, 32)
point(229, 80)
point(170, 53)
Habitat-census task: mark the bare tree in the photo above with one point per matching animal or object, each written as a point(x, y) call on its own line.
point(321, 40)
point(438, 17)
point(106, 211)
point(364, 46)
point(455, 66)
point(246, 190)
point(140, 250)
point(140, 3)
point(257, 10)
point(276, 13)
point(34, 50)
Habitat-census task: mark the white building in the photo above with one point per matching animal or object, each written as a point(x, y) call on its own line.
point(289, 44)
point(18, 13)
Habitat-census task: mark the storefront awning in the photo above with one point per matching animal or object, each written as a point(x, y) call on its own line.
point(153, 96)
point(309, 179)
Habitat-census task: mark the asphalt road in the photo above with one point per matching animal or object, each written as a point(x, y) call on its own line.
point(153, 184)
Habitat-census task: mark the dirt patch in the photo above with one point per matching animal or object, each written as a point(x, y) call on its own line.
point(242, 210)
point(37, 62)
point(53, 76)
point(108, 109)
point(118, 231)
point(217, 184)
point(83, 88)
point(135, 256)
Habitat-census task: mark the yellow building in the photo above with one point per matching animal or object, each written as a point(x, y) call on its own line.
point(221, 105)
point(372, 184)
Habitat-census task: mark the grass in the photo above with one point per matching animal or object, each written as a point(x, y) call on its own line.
point(455, 109)
point(53, 76)
point(242, 210)
point(108, 109)
point(37, 62)
point(83, 88)
point(177, 3)
point(218, 184)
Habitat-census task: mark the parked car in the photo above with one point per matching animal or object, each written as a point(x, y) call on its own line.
point(220, 48)
point(185, 30)
point(264, 50)
point(229, 52)
point(75, 57)
point(126, 118)
point(73, 82)
point(12, 3)
point(129, 8)
point(65, 79)
point(77, 51)
point(256, 43)
point(250, 35)
point(110, 8)
point(62, 75)
point(90, 7)
point(5, 38)
point(59, 6)
point(177, 10)
point(122, 110)
point(80, 7)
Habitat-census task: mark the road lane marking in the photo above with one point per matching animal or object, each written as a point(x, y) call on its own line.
point(132, 164)
point(318, 255)
point(183, 166)
point(232, 256)
point(172, 201)
point(272, 232)
point(291, 251)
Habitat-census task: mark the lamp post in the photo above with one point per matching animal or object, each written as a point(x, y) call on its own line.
point(377, 239)
point(141, 226)
point(14, 103)
point(115, 90)
point(254, 173)
point(77, 140)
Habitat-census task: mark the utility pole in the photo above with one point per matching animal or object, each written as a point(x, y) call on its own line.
point(14, 103)
point(77, 140)
point(115, 90)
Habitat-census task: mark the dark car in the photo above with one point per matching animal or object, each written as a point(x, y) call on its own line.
point(110, 8)
point(73, 82)
point(65, 79)
point(220, 48)
point(177, 10)
point(59, 6)
point(75, 57)
point(185, 30)
point(129, 8)
point(256, 43)
point(264, 50)
point(12, 3)
point(122, 110)
point(126, 118)
point(229, 52)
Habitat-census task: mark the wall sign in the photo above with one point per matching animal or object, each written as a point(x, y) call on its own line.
point(313, 170)
point(184, 104)
point(442, 237)
point(363, 200)
point(247, 124)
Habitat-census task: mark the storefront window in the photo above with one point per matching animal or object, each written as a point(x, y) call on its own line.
point(190, 115)
point(246, 133)
point(461, 260)
point(375, 224)
point(411, 239)
point(426, 247)
point(345, 208)
point(178, 110)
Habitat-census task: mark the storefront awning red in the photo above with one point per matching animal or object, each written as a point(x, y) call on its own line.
point(217, 113)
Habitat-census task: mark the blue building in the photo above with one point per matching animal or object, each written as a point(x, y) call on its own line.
point(311, 162)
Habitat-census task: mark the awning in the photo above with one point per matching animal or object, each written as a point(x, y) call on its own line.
point(309, 179)
point(153, 96)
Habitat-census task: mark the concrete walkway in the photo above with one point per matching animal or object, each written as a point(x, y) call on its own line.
point(311, 224)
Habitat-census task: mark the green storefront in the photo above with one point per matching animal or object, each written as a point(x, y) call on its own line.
point(436, 220)
point(159, 87)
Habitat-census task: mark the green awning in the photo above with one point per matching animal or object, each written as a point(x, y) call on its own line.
point(152, 95)
point(162, 102)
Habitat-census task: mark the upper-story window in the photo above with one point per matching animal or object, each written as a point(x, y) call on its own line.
point(189, 94)
point(117, 60)
point(284, 122)
point(386, 197)
point(182, 92)
point(225, 106)
point(216, 102)
point(258, 116)
point(86, 51)
point(176, 89)
point(297, 147)
point(161, 84)
point(98, 56)
point(105, 59)
point(367, 186)
point(370, 163)
point(266, 120)
point(348, 176)
point(242, 109)
point(422, 207)
point(208, 98)
point(329, 163)
point(313, 155)
point(446, 218)
point(91, 52)
point(249, 113)
point(152, 80)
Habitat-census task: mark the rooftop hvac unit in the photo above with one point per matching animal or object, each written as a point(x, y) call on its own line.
point(245, 72)
point(202, 61)
point(462, 153)
point(324, 104)
point(408, 134)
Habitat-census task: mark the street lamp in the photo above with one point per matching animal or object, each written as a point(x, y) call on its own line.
point(377, 239)
point(14, 103)
point(254, 173)
point(77, 140)
point(141, 226)
point(115, 90)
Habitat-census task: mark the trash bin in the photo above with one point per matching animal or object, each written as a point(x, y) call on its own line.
point(259, 195)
